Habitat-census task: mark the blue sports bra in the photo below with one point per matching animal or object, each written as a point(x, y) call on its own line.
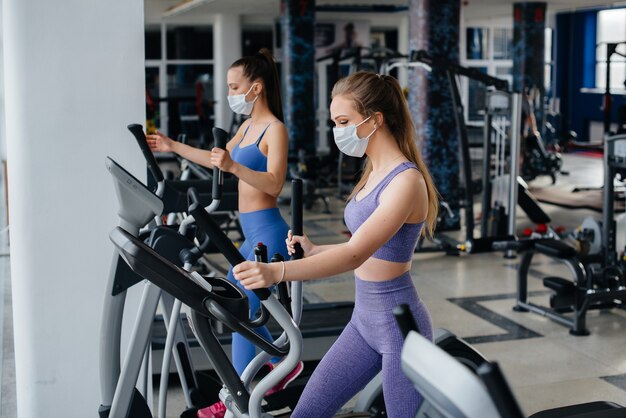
point(250, 155)
point(401, 246)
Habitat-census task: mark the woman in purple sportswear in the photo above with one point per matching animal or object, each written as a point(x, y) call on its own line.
point(393, 204)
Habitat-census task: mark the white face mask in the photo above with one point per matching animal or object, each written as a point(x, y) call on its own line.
point(349, 142)
point(239, 105)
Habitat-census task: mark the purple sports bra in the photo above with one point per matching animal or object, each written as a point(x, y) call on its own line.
point(401, 246)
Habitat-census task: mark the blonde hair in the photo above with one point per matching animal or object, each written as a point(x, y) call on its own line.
point(373, 93)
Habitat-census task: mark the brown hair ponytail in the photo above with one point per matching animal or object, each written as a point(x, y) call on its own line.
point(262, 65)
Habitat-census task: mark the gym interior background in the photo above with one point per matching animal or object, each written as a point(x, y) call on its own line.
point(73, 75)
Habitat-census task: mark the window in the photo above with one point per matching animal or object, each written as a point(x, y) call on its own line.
point(153, 43)
point(253, 39)
point(502, 44)
point(189, 42)
point(549, 63)
point(611, 28)
point(488, 48)
point(477, 43)
point(476, 97)
point(179, 74)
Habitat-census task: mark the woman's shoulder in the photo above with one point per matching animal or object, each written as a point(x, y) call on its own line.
point(407, 168)
point(277, 124)
point(277, 128)
point(408, 179)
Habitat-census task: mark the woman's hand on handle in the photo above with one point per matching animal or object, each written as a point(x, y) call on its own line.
point(253, 275)
point(160, 143)
point(221, 158)
point(303, 240)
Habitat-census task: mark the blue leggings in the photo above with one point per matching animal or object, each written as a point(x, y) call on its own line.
point(370, 342)
point(266, 226)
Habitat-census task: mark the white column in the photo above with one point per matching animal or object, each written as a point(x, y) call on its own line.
point(3, 143)
point(74, 78)
point(403, 47)
point(226, 50)
point(163, 110)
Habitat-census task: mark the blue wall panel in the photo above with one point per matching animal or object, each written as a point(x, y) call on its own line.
point(575, 70)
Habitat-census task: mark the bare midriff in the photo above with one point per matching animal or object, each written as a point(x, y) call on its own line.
point(251, 199)
point(377, 270)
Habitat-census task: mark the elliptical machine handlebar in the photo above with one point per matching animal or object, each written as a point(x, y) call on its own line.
point(220, 137)
point(295, 296)
point(140, 137)
point(296, 215)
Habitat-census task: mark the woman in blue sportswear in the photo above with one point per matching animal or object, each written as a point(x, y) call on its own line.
point(257, 155)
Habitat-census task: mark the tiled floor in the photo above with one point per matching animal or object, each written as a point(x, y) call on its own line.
point(473, 295)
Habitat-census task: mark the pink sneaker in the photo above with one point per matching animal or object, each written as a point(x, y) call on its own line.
point(287, 379)
point(217, 410)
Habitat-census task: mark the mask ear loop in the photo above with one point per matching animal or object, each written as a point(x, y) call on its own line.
point(256, 96)
point(372, 133)
point(250, 89)
point(363, 121)
point(375, 126)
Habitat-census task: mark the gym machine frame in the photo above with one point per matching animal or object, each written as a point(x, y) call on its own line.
point(482, 244)
point(611, 49)
point(583, 293)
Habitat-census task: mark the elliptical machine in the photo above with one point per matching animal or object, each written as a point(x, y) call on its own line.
point(123, 392)
point(218, 299)
point(223, 301)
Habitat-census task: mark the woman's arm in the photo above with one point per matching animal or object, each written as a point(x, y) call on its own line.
point(195, 155)
point(272, 181)
point(397, 203)
point(318, 249)
point(161, 143)
point(308, 248)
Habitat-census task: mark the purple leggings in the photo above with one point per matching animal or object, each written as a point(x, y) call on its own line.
point(370, 342)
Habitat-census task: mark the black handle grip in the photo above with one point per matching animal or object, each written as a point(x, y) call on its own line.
point(260, 255)
point(405, 320)
point(221, 241)
point(220, 137)
point(140, 137)
point(296, 215)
